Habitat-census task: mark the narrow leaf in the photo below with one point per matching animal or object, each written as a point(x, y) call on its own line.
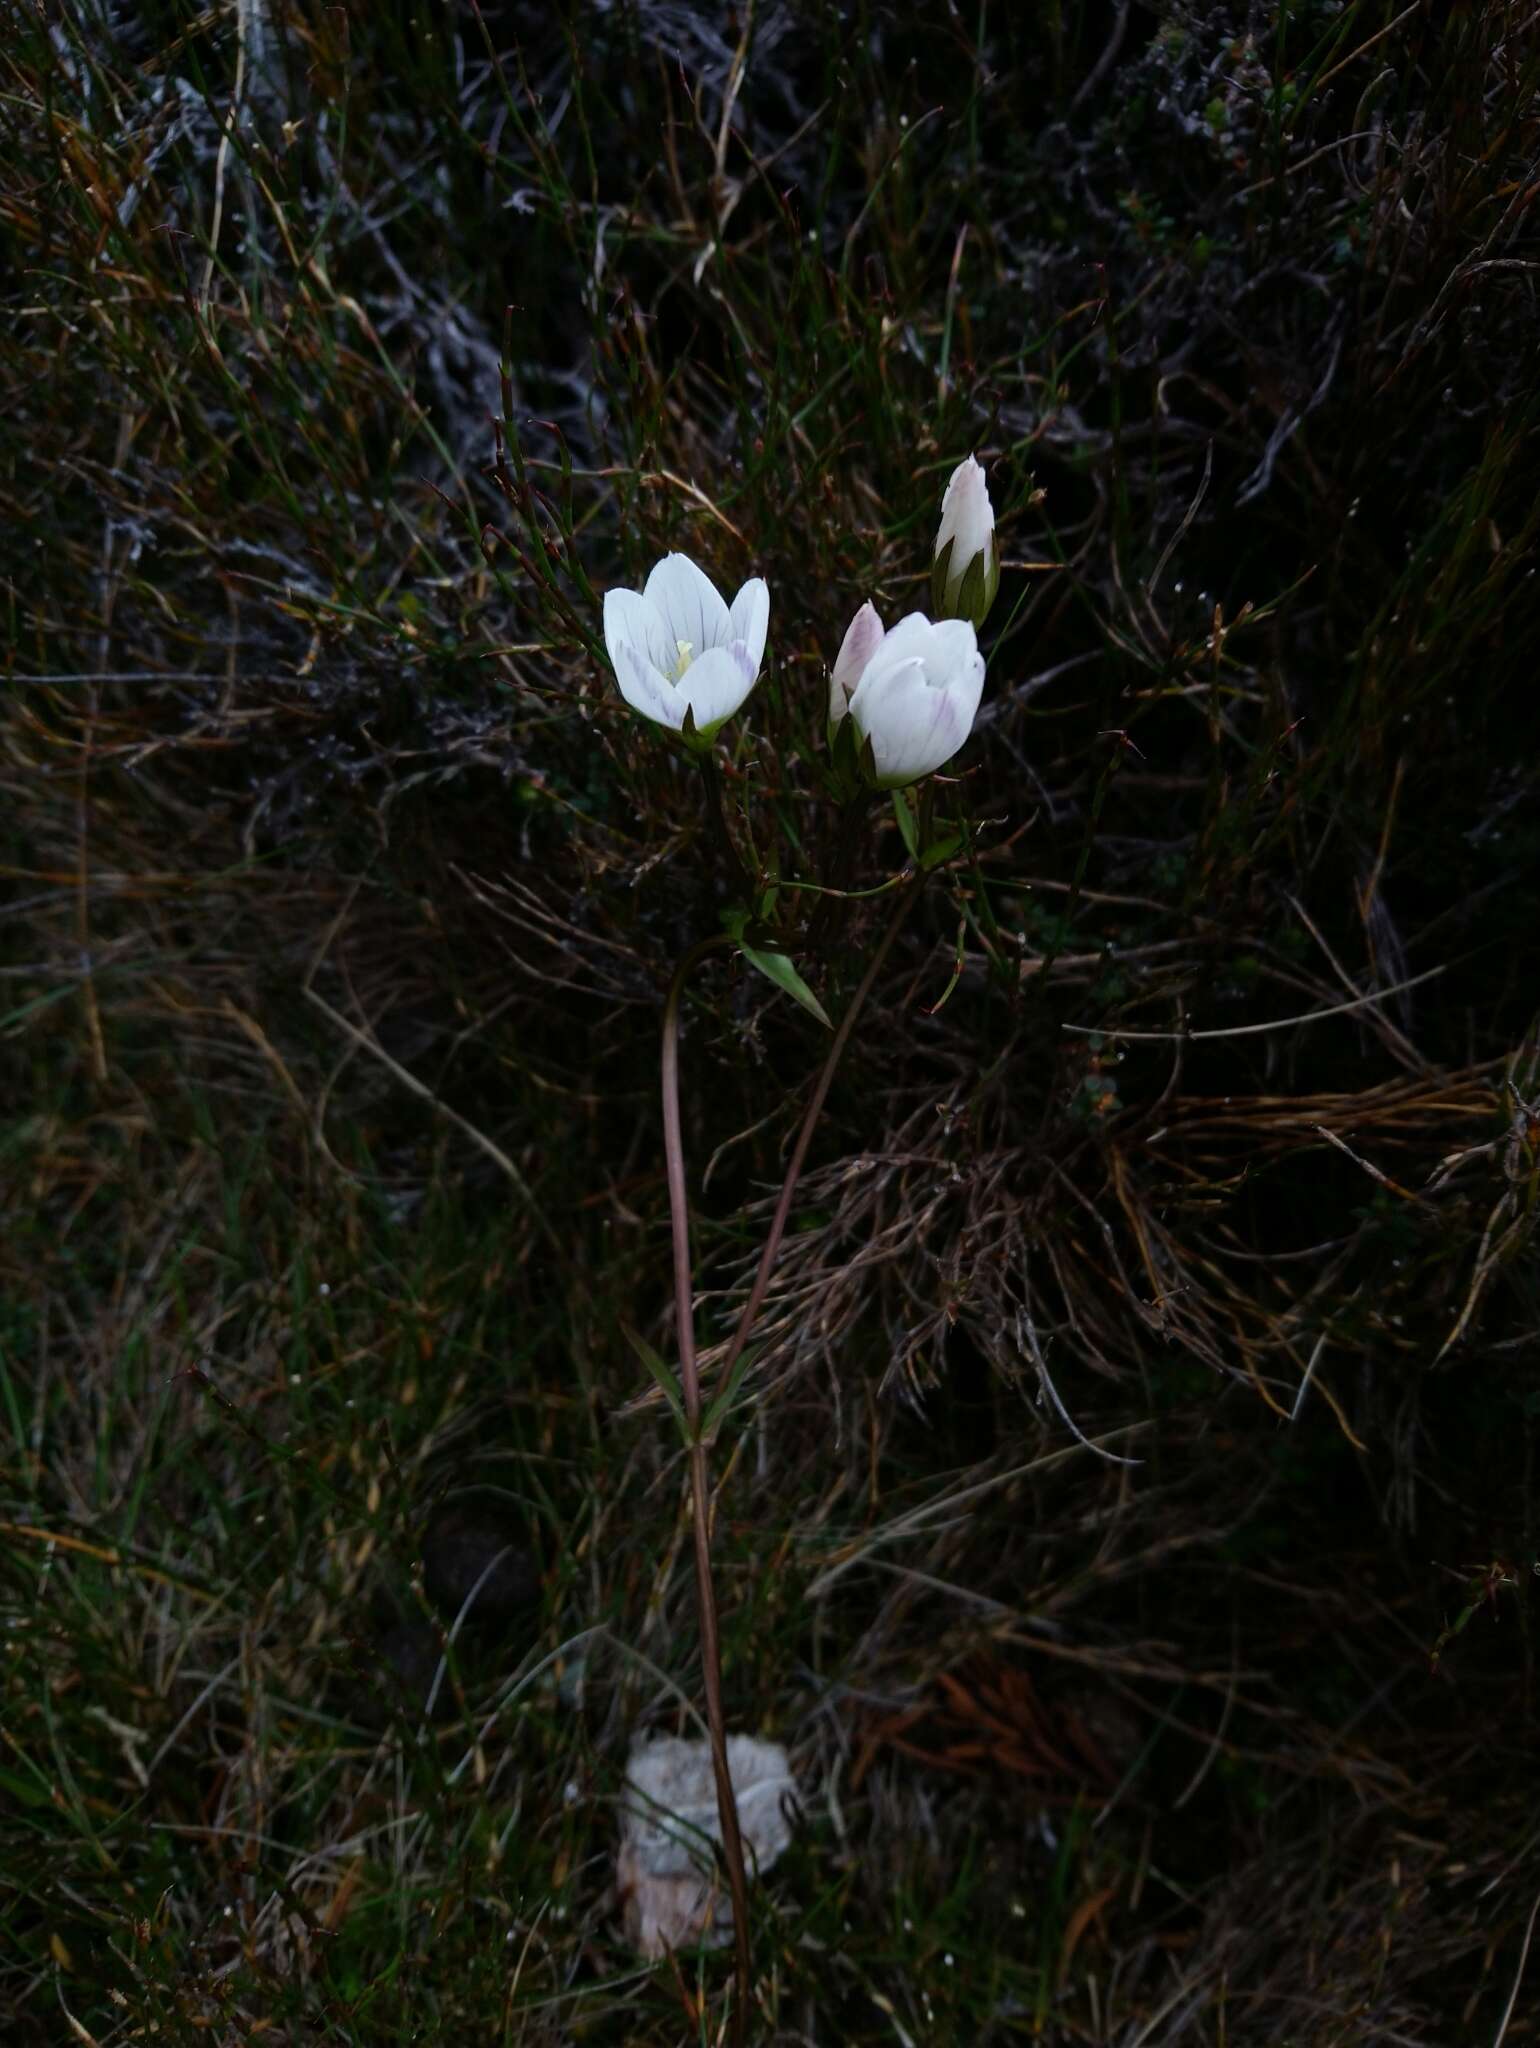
point(724, 1401)
point(777, 967)
point(665, 1378)
point(941, 1000)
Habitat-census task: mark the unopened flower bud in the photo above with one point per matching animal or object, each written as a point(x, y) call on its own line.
point(966, 572)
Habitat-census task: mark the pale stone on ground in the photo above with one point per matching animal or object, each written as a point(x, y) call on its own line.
point(665, 1869)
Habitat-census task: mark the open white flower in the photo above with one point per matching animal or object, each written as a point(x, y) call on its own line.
point(966, 572)
point(677, 649)
point(917, 695)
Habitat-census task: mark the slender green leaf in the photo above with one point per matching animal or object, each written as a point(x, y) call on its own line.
point(723, 1403)
point(665, 1377)
point(776, 966)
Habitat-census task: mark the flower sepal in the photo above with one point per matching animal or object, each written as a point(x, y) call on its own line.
point(972, 594)
point(692, 737)
point(850, 764)
point(911, 812)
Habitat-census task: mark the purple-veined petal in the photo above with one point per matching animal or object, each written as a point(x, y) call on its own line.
point(884, 683)
point(863, 636)
point(646, 690)
point(716, 684)
point(954, 644)
point(749, 618)
point(839, 704)
point(912, 727)
point(913, 636)
point(689, 604)
point(632, 620)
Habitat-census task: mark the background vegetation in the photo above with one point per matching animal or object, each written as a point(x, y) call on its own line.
point(1131, 1524)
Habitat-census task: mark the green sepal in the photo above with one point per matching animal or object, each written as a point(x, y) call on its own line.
point(940, 572)
point(908, 824)
point(845, 757)
point(969, 602)
point(973, 592)
point(991, 579)
point(691, 736)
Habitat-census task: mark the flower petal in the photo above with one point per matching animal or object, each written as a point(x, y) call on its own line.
point(716, 684)
point(965, 690)
point(913, 636)
point(632, 620)
point(967, 517)
point(954, 645)
point(689, 604)
point(839, 704)
point(863, 636)
point(749, 619)
point(646, 690)
point(912, 727)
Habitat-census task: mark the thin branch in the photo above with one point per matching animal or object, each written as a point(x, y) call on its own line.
point(711, 782)
point(1378, 995)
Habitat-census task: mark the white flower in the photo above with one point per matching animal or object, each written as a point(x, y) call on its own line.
point(965, 538)
point(862, 638)
point(917, 695)
point(676, 648)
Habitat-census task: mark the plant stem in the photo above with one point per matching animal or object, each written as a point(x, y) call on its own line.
point(711, 777)
point(689, 1377)
point(832, 910)
point(700, 1492)
point(825, 1080)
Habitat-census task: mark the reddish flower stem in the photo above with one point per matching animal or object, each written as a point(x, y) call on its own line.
point(689, 1376)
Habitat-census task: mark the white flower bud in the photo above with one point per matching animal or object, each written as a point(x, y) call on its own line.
point(966, 571)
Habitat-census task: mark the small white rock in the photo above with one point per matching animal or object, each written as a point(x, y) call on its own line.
point(665, 1870)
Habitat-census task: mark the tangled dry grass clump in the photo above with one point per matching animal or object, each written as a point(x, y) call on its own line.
point(1129, 1525)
